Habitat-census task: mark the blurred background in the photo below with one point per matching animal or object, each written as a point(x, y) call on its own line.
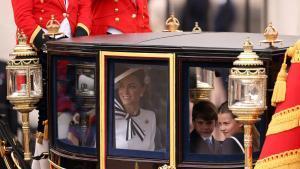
point(212, 15)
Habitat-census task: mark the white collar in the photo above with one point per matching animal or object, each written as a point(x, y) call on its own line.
point(205, 138)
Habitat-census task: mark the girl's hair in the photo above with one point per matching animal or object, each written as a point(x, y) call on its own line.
point(256, 135)
point(224, 109)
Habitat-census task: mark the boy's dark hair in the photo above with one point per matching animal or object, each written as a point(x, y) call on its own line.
point(224, 109)
point(205, 110)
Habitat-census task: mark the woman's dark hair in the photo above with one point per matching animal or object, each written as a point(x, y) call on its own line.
point(140, 75)
point(224, 109)
point(205, 110)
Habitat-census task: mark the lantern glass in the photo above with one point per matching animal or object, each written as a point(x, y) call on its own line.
point(247, 92)
point(24, 82)
point(85, 80)
point(17, 82)
point(35, 82)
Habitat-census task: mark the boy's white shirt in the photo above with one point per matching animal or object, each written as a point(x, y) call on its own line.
point(205, 138)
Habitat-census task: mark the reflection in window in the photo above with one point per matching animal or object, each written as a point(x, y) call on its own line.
point(76, 117)
point(140, 107)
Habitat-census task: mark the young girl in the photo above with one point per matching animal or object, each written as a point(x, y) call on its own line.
point(232, 129)
point(234, 132)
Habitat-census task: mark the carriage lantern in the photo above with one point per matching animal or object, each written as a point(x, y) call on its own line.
point(247, 94)
point(24, 84)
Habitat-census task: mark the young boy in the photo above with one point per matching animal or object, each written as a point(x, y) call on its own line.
point(204, 117)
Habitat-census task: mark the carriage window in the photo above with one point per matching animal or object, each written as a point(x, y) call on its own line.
point(211, 129)
point(139, 103)
point(75, 104)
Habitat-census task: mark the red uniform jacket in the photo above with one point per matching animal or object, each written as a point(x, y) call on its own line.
point(123, 15)
point(32, 15)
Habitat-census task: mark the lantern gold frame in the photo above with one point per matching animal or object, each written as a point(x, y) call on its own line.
point(25, 60)
point(248, 66)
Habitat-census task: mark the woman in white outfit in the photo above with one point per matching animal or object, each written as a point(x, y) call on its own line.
point(135, 126)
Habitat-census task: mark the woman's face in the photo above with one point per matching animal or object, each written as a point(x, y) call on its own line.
point(228, 125)
point(130, 91)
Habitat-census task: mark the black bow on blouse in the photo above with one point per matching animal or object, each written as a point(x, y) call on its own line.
point(133, 127)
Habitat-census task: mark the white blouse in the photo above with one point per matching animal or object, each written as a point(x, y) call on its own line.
point(146, 121)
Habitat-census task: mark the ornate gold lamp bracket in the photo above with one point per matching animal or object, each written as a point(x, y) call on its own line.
point(271, 35)
point(4, 150)
point(24, 84)
point(247, 94)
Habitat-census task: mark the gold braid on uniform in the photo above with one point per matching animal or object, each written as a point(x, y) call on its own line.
point(36, 38)
point(284, 120)
point(286, 160)
point(82, 30)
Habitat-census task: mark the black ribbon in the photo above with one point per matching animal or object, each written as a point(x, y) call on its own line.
point(133, 127)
